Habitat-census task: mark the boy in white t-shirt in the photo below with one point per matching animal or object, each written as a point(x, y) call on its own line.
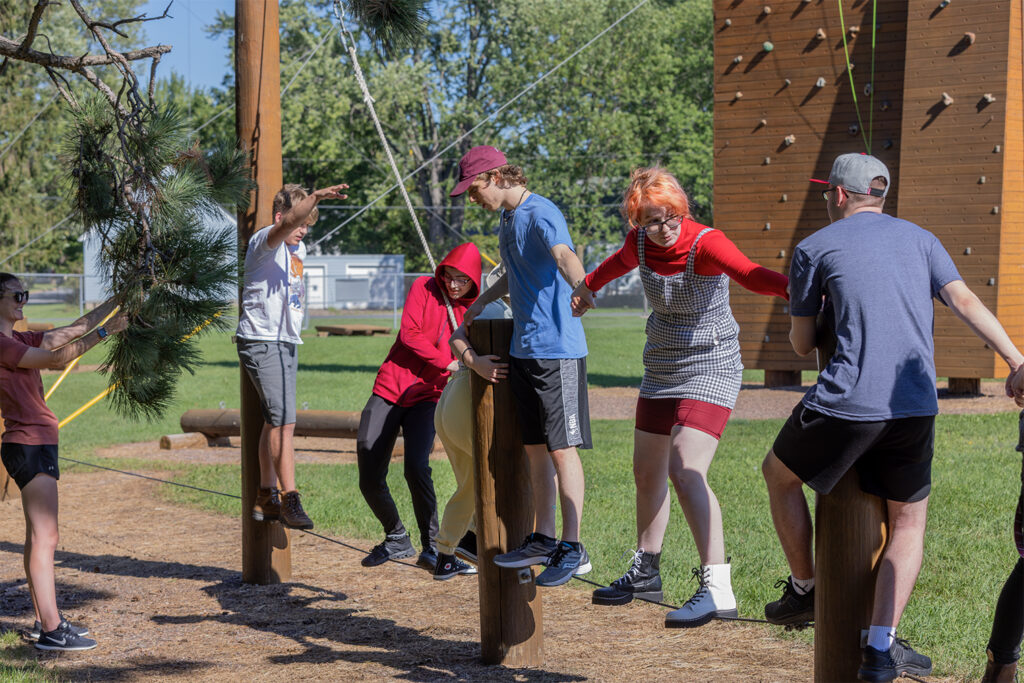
point(269, 324)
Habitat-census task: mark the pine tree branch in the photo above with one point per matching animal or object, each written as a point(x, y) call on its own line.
point(33, 24)
point(9, 48)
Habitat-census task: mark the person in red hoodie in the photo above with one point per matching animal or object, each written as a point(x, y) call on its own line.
point(404, 397)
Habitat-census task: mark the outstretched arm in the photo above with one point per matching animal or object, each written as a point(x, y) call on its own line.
point(56, 338)
point(969, 308)
point(45, 359)
point(297, 215)
point(493, 293)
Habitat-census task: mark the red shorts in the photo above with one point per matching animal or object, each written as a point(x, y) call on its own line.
point(659, 415)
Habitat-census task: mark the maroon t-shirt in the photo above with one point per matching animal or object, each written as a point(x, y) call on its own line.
point(27, 418)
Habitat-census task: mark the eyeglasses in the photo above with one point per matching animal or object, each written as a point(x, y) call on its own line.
point(457, 281)
point(19, 297)
point(656, 226)
point(824, 195)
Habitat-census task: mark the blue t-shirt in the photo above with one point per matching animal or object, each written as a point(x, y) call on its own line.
point(541, 311)
point(880, 274)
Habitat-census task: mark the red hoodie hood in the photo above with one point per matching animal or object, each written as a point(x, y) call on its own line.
point(466, 258)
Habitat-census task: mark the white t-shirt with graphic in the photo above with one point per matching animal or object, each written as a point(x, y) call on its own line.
point(274, 293)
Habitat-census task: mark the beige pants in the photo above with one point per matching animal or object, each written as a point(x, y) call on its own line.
point(453, 421)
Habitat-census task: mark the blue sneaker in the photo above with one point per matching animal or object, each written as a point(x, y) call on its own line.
point(568, 560)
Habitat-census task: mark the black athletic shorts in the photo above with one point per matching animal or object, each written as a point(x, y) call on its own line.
point(893, 458)
point(551, 401)
point(24, 462)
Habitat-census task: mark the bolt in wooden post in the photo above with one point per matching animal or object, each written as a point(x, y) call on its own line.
point(851, 529)
point(266, 557)
point(511, 614)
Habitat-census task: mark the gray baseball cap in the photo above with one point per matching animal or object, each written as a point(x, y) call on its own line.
point(854, 172)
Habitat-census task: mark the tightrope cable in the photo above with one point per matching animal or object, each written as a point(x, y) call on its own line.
point(17, 137)
point(486, 119)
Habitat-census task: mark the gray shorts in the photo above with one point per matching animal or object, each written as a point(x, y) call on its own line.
point(272, 367)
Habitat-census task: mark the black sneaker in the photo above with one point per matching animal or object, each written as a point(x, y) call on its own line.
point(901, 659)
point(394, 547)
point(64, 639)
point(37, 629)
point(536, 549)
point(466, 550)
point(427, 559)
point(642, 580)
point(449, 566)
point(791, 608)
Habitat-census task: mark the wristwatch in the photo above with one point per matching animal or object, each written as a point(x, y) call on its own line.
point(101, 332)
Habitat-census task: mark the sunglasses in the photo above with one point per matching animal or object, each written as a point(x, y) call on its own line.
point(19, 297)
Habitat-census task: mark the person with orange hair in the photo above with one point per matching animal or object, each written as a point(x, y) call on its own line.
point(692, 374)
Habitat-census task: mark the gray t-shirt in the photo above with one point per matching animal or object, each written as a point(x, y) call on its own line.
point(880, 274)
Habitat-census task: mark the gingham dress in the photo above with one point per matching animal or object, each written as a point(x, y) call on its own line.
point(693, 348)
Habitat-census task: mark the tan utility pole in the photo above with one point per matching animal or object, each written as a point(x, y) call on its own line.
point(266, 556)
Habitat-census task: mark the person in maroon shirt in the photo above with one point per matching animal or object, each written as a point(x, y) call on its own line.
point(28, 445)
point(405, 397)
point(692, 374)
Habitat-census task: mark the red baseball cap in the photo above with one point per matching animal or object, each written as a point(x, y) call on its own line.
point(476, 161)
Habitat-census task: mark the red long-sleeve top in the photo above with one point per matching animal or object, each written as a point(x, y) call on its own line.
point(716, 254)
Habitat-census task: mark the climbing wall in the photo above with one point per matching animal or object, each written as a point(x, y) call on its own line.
point(962, 161)
point(785, 108)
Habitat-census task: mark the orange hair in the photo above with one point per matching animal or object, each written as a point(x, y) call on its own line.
point(651, 187)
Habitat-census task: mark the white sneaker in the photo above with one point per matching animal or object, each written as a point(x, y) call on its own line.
point(714, 598)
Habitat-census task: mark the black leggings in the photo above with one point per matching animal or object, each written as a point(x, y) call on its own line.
point(1008, 625)
point(378, 429)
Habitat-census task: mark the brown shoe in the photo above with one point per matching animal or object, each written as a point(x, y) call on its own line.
point(999, 673)
point(292, 514)
point(267, 506)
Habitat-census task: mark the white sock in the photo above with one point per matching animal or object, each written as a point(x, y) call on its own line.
point(881, 637)
point(802, 586)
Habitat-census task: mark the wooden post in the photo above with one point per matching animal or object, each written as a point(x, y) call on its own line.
point(782, 378)
point(964, 386)
point(851, 535)
point(511, 613)
point(266, 556)
point(851, 529)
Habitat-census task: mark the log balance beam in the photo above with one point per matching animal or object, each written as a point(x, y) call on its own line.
point(511, 613)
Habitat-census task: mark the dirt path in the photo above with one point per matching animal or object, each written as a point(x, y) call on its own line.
point(160, 589)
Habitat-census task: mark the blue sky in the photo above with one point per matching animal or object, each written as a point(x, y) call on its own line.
point(202, 60)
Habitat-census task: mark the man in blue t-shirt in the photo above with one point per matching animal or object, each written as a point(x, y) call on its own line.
point(873, 407)
point(548, 368)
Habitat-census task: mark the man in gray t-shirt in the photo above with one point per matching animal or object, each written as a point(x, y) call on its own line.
point(874, 404)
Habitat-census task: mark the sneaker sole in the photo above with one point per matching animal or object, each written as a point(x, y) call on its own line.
point(521, 564)
point(700, 621)
point(626, 598)
point(445, 577)
point(886, 675)
point(469, 571)
point(583, 569)
point(64, 648)
point(789, 621)
point(397, 556)
point(299, 527)
point(466, 556)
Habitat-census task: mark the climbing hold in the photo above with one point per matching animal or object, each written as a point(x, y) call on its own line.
point(789, 140)
point(853, 30)
point(867, 89)
point(728, 22)
point(766, 10)
point(767, 160)
point(787, 82)
point(767, 339)
point(967, 251)
point(887, 144)
point(820, 35)
point(853, 128)
point(991, 281)
point(885, 106)
point(981, 180)
point(989, 97)
point(784, 198)
point(995, 209)
point(947, 99)
point(970, 37)
point(820, 83)
point(767, 226)
point(944, 3)
point(997, 149)
point(767, 46)
point(782, 253)
point(762, 123)
point(738, 95)
point(737, 59)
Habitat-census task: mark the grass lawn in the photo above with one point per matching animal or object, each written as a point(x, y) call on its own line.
point(969, 548)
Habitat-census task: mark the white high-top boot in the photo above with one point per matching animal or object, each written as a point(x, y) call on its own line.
point(713, 598)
